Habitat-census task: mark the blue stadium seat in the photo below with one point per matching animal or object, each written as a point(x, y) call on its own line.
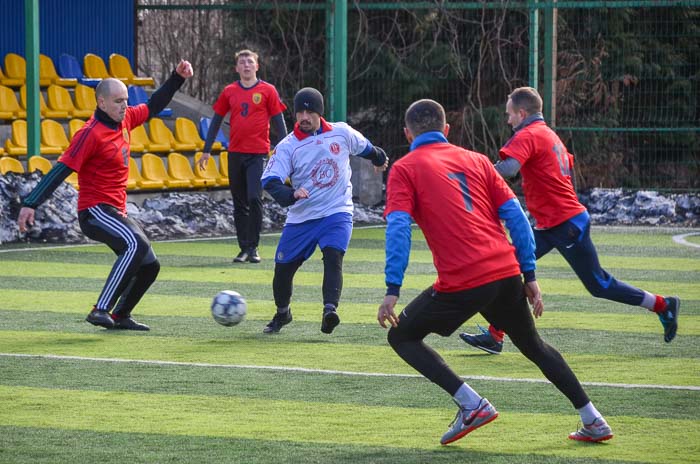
point(204, 129)
point(138, 95)
point(68, 67)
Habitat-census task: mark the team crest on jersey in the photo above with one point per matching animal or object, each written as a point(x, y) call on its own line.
point(325, 173)
point(257, 98)
point(335, 148)
point(125, 134)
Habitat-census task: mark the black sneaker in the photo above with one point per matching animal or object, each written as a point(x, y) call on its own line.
point(127, 323)
point(278, 321)
point(253, 256)
point(100, 318)
point(484, 341)
point(242, 257)
point(330, 319)
point(669, 318)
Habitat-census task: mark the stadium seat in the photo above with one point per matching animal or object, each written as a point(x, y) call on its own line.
point(16, 145)
point(85, 98)
point(48, 71)
point(140, 137)
point(153, 168)
point(59, 99)
point(16, 68)
point(223, 164)
point(95, 68)
point(132, 181)
point(9, 106)
point(74, 125)
point(120, 67)
point(137, 96)
point(160, 133)
point(73, 180)
point(38, 163)
point(69, 67)
point(8, 164)
point(204, 128)
point(10, 82)
point(142, 183)
point(179, 168)
point(53, 134)
point(211, 172)
point(44, 110)
point(186, 131)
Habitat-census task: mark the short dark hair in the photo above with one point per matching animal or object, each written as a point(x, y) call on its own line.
point(106, 87)
point(526, 98)
point(425, 116)
point(245, 52)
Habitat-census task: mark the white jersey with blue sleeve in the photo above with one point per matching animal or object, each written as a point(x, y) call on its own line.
point(319, 162)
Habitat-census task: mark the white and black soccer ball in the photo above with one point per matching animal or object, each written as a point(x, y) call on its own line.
point(228, 308)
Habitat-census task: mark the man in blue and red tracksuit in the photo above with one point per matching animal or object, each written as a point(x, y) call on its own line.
point(458, 200)
point(99, 152)
point(561, 221)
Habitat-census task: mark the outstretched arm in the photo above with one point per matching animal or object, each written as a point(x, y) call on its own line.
point(41, 192)
point(161, 97)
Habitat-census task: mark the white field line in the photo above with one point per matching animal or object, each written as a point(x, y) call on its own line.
point(680, 239)
point(200, 239)
point(304, 370)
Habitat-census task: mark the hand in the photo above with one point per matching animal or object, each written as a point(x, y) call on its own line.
point(386, 311)
point(383, 167)
point(26, 216)
point(534, 297)
point(300, 193)
point(203, 160)
point(184, 69)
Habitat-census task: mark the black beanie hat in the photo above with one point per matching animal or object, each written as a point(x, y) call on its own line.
point(308, 99)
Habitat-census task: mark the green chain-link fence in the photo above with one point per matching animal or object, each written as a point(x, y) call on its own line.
point(626, 73)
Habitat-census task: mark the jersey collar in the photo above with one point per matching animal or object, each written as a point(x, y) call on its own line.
point(301, 135)
point(428, 137)
point(529, 120)
point(105, 119)
point(240, 84)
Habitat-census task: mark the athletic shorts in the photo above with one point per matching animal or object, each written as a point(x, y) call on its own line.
point(298, 241)
point(501, 302)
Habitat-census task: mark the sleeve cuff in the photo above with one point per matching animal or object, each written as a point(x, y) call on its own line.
point(393, 290)
point(529, 276)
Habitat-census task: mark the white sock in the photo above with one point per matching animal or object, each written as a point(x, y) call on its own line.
point(589, 414)
point(467, 397)
point(648, 301)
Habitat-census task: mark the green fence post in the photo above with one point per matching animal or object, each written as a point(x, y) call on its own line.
point(534, 43)
point(549, 93)
point(31, 25)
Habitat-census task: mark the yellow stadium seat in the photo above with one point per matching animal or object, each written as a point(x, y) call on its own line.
point(8, 164)
point(139, 136)
point(153, 168)
point(47, 70)
point(94, 67)
point(59, 99)
point(16, 145)
point(162, 135)
point(186, 132)
point(211, 172)
point(45, 111)
point(74, 125)
point(38, 163)
point(10, 82)
point(132, 181)
point(179, 168)
point(53, 134)
point(120, 67)
point(16, 68)
point(142, 183)
point(9, 106)
point(85, 98)
point(73, 180)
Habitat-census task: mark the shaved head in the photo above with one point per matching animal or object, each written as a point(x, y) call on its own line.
point(112, 98)
point(425, 116)
point(108, 87)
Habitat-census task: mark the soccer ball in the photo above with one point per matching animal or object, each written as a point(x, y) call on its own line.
point(228, 308)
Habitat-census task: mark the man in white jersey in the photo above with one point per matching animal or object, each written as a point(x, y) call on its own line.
point(316, 158)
